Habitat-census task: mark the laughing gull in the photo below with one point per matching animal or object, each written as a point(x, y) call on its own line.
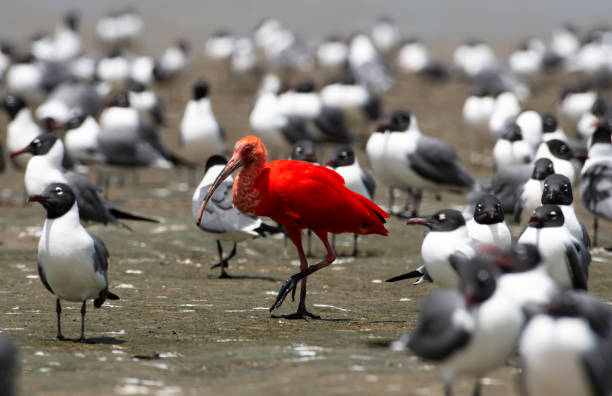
point(488, 225)
point(567, 349)
point(45, 168)
point(21, 129)
point(511, 148)
point(421, 162)
point(577, 99)
point(478, 107)
point(551, 129)
point(332, 53)
point(446, 235)
point(588, 122)
point(468, 331)
point(506, 108)
point(244, 60)
point(414, 57)
point(67, 99)
point(564, 41)
point(81, 139)
point(525, 278)
point(527, 59)
point(220, 45)
point(531, 124)
point(385, 35)
point(6, 56)
point(65, 43)
point(72, 263)
point(303, 102)
point(368, 66)
point(200, 134)
point(561, 155)
point(530, 193)
point(9, 366)
point(567, 259)
point(277, 130)
point(596, 178)
point(26, 77)
point(221, 218)
point(172, 61)
point(344, 161)
point(355, 100)
point(114, 68)
point(119, 27)
point(141, 70)
point(146, 101)
point(474, 57)
point(558, 191)
point(130, 139)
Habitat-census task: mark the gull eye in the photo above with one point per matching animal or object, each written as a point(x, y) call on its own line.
point(36, 143)
point(59, 191)
point(482, 276)
point(479, 206)
point(564, 149)
point(553, 213)
point(441, 217)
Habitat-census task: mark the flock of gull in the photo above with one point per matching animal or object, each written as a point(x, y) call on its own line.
point(71, 108)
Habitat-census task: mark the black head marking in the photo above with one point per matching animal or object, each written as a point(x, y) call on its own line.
point(304, 150)
point(200, 89)
point(57, 199)
point(13, 104)
point(488, 210)
point(120, 100)
point(71, 20)
point(580, 304)
point(549, 123)
point(41, 144)
point(400, 120)
point(600, 107)
point(560, 149)
point(513, 132)
point(114, 52)
point(478, 278)
point(342, 155)
point(75, 121)
point(603, 135)
point(184, 45)
point(215, 160)
point(444, 220)
point(542, 169)
point(526, 257)
point(136, 86)
point(305, 86)
point(547, 216)
point(557, 190)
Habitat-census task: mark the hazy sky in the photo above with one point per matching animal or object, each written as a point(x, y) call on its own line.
point(436, 21)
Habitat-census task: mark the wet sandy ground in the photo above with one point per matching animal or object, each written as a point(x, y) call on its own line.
point(179, 330)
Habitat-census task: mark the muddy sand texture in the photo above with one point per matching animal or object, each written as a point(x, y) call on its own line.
point(179, 330)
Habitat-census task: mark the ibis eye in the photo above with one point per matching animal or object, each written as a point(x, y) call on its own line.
point(248, 150)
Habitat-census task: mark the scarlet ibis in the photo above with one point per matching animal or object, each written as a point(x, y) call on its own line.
point(298, 195)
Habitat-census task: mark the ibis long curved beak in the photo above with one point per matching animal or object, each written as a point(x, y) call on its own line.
point(19, 152)
point(234, 163)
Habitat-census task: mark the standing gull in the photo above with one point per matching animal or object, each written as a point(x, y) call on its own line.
point(221, 217)
point(72, 263)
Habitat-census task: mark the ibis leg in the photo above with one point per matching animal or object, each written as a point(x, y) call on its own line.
point(291, 283)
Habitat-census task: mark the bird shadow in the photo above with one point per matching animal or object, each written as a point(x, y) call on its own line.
point(251, 277)
point(95, 340)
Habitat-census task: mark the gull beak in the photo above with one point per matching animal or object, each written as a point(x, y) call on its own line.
point(19, 152)
point(534, 220)
point(418, 221)
point(37, 198)
point(234, 163)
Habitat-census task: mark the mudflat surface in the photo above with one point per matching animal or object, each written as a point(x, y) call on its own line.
point(179, 330)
